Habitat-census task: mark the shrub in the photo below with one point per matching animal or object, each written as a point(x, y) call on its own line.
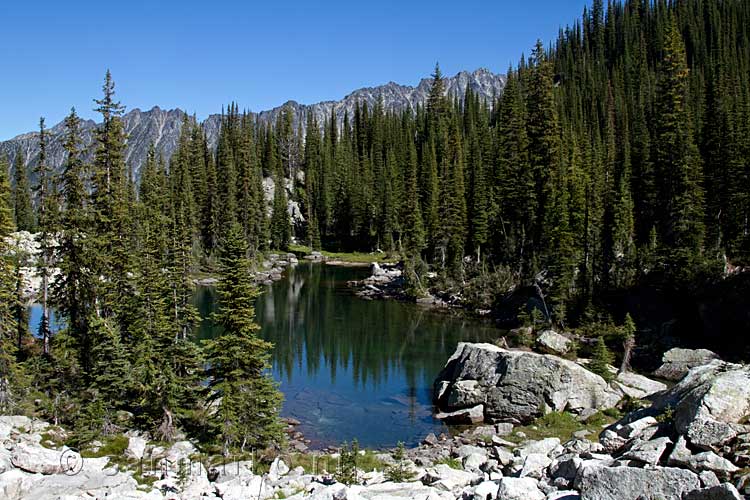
point(400, 471)
point(601, 359)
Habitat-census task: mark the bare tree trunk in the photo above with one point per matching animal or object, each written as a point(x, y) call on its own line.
point(45, 311)
point(627, 345)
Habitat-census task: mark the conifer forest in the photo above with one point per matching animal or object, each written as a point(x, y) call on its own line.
point(608, 186)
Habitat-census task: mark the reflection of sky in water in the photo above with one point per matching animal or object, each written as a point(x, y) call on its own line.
point(35, 317)
point(351, 368)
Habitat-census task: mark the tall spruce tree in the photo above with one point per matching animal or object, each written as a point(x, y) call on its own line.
point(25, 219)
point(247, 399)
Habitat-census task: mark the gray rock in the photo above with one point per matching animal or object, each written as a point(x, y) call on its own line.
point(504, 428)
point(463, 394)
point(710, 461)
point(637, 386)
point(544, 446)
point(518, 385)
point(430, 440)
point(680, 455)
point(648, 452)
point(485, 490)
point(710, 434)
point(534, 465)
point(36, 459)
point(709, 479)
point(722, 492)
point(467, 449)
point(706, 399)
point(611, 441)
point(136, 448)
point(566, 468)
point(474, 461)
point(278, 468)
point(637, 428)
point(630, 483)
point(676, 363)
point(551, 342)
point(445, 478)
point(520, 488)
point(564, 495)
point(468, 416)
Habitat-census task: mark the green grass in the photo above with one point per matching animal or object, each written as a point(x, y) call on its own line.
point(310, 462)
point(352, 257)
point(453, 463)
point(113, 446)
point(562, 425)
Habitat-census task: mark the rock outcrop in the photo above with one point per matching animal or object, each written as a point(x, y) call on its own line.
point(518, 386)
point(676, 363)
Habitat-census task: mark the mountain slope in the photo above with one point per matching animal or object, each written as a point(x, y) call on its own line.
point(162, 127)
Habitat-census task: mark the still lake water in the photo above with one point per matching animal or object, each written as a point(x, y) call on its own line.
point(352, 368)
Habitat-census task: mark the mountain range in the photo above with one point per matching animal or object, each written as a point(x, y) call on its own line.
point(162, 127)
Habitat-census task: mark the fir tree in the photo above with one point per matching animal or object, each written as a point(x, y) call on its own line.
point(676, 156)
point(22, 208)
point(248, 401)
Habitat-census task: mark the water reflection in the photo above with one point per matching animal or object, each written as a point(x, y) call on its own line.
point(351, 368)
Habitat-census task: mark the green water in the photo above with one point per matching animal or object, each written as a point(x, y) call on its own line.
point(351, 368)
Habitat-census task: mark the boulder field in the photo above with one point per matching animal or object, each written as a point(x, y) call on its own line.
point(692, 443)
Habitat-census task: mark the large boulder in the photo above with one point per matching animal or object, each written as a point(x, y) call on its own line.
point(36, 459)
point(551, 342)
point(676, 363)
point(632, 483)
point(709, 403)
point(518, 386)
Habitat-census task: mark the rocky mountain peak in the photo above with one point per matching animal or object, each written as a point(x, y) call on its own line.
point(162, 127)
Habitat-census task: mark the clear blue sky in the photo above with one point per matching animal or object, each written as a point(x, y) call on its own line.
point(200, 55)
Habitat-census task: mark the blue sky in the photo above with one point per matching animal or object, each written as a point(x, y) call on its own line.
point(200, 55)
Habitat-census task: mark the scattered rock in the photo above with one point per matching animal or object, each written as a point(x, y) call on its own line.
point(468, 416)
point(136, 448)
point(676, 363)
point(648, 452)
point(520, 488)
point(722, 492)
point(551, 342)
point(637, 386)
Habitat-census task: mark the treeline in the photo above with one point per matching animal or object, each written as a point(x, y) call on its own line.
point(123, 258)
point(616, 157)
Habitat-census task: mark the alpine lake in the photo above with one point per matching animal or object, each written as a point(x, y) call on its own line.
point(350, 368)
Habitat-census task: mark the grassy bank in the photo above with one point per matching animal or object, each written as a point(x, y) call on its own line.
point(349, 257)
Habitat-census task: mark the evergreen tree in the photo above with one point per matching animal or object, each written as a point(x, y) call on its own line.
point(247, 400)
point(46, 203)
point(601, 358)
point(681, 227)
point(9, 370)
point(281, 229)
point(22, 208)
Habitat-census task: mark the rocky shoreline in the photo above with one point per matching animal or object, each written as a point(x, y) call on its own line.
point(690, 442)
